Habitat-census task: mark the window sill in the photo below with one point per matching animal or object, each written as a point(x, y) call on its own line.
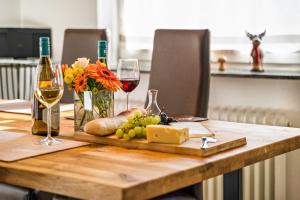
point(243, 71)
point(267, 74)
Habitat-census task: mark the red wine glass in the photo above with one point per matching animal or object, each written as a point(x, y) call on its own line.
point(129, 74)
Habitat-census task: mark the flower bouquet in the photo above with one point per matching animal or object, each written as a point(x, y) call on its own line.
point(94, 85)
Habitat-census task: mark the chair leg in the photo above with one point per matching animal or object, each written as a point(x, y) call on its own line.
point(233, 189)
point(195, 191)
point(31, 195)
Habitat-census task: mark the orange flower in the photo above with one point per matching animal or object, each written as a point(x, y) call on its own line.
point(64, 67)
point(108, 79)
point(91, 71)
point(80, 83)
point(104, 76)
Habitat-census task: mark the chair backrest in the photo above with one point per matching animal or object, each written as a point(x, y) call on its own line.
point(180, 70)
point(80, 43)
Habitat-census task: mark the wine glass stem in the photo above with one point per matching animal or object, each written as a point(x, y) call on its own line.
point(127, 94)
point(49, 123)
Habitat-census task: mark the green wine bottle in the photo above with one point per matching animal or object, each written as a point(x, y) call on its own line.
point(102, 51)
point(39, 111)
point(102, 57)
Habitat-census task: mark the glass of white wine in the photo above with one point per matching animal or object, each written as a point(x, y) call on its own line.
point(48, 89)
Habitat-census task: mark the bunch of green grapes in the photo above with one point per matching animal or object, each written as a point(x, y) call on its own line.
point(135, 127)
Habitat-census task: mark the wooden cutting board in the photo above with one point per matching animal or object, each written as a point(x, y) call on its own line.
point(16, 146)
point(224, 142)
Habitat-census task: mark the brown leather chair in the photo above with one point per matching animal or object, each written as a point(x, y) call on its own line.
point(180, 70)
point(80, 43)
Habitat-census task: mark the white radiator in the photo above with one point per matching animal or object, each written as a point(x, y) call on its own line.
point(264, 180)
point(16, 81)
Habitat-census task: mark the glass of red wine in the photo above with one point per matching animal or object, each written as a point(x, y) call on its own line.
point(128, 73)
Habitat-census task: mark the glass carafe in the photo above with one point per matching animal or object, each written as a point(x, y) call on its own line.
point(152, 108)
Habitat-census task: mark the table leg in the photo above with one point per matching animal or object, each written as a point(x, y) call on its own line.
point(233, 185)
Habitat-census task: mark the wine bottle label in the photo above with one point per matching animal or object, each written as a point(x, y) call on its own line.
point(54, 116)
point(87, 98)
point(39, 118)
point(102, 49)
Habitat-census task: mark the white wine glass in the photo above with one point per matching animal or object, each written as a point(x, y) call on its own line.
point(128, 72)
point(48, 89)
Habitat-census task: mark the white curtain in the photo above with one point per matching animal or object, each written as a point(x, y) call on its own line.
point(225, 18)
point(133, 22)
point(108, 16)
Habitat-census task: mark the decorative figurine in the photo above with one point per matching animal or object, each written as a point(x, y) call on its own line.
point(222, 60)
point(256, 52)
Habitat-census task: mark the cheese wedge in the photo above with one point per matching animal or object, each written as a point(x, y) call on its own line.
point(167, 134)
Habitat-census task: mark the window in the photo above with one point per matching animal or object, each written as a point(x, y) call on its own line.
point(227, 21)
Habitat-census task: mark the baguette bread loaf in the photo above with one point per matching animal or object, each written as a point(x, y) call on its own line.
point(106, 126)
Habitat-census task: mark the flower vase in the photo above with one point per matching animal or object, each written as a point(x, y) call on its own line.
point(90, 105)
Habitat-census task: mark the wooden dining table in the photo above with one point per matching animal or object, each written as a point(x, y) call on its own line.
point(109, 172)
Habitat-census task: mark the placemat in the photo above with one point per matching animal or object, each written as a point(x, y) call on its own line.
point(16, 146)
point(24, 107)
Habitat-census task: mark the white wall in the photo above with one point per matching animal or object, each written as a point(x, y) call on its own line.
point(55, 14)
point(264, 93)
point(258, 93)
point(58, 15)
point(9, 13)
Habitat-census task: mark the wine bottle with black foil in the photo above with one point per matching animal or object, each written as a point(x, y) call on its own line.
point(102, 51)
point(39, 111)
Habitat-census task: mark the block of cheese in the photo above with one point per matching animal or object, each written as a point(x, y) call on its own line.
point(167, 134)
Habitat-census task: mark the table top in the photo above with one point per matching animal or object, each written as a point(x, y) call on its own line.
point(117, 173)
